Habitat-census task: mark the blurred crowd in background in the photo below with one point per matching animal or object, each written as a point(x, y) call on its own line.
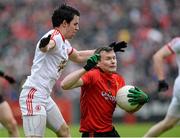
point(146, 25)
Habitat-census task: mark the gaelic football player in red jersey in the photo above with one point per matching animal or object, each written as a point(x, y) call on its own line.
point(98, 90)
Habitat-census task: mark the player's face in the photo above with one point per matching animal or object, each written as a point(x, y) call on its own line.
point(72, 27)
point(108, 62)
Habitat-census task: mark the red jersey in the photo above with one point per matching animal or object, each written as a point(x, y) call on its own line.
point(97, 102)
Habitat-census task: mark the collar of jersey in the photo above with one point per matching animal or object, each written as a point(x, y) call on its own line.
point(63, 38)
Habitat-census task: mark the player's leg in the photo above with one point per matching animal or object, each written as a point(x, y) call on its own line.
point(7, 119)
point(171, 119)
point(162, 126)
point(33, 108)
point(56, 121)
point(34, 126)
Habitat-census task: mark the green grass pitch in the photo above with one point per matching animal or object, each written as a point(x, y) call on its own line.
point(125, 130)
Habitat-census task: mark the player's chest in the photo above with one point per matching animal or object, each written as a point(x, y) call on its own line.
point(106, 86)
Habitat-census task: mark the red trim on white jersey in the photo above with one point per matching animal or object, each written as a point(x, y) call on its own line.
point(71, 51)
point(29, 101)
point(169, 47)
point(53, 34)
point(63, 38)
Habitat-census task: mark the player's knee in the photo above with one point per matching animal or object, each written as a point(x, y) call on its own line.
point(64, 131)
point(168, 125)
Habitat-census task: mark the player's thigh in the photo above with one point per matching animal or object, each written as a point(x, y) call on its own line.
point(6, 114)
point(174, 108)
point(54, 118)
point(173, 113)
point(34, 125)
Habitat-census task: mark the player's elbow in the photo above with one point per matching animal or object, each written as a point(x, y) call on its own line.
point(64, 86)
point(44, 50)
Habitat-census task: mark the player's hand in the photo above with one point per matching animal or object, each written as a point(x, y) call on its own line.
point(162, 86)
point(9, 79)
point(137, 96)
point(1, 73)
point(91, 62)
point(118, 46)
point(44, 41)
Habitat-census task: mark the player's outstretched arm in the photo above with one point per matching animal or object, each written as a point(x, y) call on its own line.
point(81, 56)
point(158, 64)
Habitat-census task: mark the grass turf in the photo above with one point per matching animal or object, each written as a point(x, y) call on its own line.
point(125, 130)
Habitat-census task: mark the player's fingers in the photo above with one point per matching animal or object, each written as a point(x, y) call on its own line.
point(131, 100)
point(137, 89)
point(134, 103)
point(132, 96)
point(133, 91)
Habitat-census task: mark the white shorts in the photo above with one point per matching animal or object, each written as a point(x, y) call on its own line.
point(34, 105)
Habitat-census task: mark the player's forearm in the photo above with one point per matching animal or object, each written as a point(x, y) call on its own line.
point(73, 79)
point(84, 55)
point(158, 66)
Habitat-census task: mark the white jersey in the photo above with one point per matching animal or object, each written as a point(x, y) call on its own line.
point(47, 67)
point(174, 107)
point(174, 46)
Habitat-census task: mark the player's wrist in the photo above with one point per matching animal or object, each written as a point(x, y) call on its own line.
point(87, 67)
point(44, 42)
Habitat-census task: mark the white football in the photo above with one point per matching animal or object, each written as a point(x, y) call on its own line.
point(122, 99)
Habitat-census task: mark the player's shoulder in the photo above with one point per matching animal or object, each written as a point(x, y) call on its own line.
point(95, 71)
point(174, 44)
point(56, 35)
point(175, 40)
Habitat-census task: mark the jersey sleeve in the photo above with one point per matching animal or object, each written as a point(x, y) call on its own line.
point(174, 45)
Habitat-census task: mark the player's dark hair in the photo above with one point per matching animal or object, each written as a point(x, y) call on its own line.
point(63, 12)
point(99, 50)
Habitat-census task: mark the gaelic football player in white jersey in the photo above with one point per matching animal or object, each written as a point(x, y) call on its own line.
point(51, 55)
point(173, 113)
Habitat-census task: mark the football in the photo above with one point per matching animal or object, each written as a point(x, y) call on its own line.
point(122, 99)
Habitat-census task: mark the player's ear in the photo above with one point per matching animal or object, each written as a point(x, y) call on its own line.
point(64, 23)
